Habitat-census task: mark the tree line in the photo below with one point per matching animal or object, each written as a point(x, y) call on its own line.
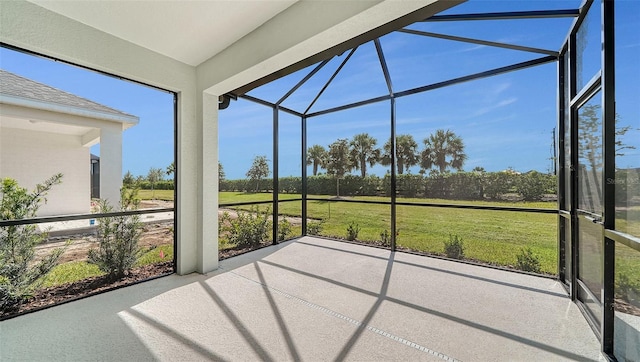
point(442, 151)
point(474, 185)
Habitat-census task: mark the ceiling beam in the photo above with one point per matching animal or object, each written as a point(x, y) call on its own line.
point(481, 42)
point(536, 14)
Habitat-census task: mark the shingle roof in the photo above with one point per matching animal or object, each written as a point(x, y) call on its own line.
point(17, 86)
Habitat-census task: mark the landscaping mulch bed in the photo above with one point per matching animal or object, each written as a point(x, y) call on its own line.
point(83, 288)
point(231, 252)
point(91, 286)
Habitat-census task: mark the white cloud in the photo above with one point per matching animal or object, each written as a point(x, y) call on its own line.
point(500, 104)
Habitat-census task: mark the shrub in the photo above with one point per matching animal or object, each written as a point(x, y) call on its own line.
point(533, 185)
point(118, 238)
point(528, 261)
point(314, 227)
point(284, 229)
point(20, 273)
point(454, 248)
point(158, 185)
point(290, 185)
point(385, 237)
point(498, 183)
point(352, 231)
point(223, 220)
point(407, 185)
point(466, 185)
point(628, 288)
point(250, 228)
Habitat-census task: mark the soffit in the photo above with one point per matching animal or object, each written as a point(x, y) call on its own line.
point(42, 126)
point(188, 31)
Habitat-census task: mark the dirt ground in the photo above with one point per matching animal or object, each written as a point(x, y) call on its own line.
point(154, 234)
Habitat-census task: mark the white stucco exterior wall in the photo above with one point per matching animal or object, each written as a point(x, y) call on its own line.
point(111, 164)
point(208, 203)
point(31, 157)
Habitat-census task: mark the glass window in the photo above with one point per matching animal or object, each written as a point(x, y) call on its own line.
point(567, 134)
point(627, 180)
point(627, 304)
point(590, 156)
point(566, 235)
point(590, 255)
point(588, 47)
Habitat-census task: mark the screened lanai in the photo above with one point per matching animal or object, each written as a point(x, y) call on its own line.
point(464, 187)
point(484, 134)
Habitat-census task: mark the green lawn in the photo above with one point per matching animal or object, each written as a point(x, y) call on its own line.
point(489, 236)
point(166, 195)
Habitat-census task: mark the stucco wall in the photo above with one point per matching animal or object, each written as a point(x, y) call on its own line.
point(32, 157)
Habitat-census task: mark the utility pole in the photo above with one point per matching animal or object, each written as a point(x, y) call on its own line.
point(555, 152)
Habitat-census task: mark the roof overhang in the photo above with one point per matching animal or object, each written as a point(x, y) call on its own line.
point(188, 31)
point(126, 120)
point(39, 116)
point(233, 46)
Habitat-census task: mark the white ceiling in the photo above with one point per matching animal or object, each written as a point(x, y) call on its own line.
point(188, 31)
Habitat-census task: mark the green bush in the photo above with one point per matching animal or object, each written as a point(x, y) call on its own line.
point(118, 237)
point(284, 229)
point(528, 261)
point(385, 238)
point(352, 231)
point(290, 185)
point(628, 288)
point(533, 185)
point(466, 185)
point(499, 183)
point(159, 185)
point(321, 185)
point(20, 273)
point(454, 248)
point(249, 229)
point(314, 227)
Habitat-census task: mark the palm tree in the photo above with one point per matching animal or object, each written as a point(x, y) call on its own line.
point(316, 156)
point(443, 150)
point(338, 161)
point(363, 150)
point(406, 153)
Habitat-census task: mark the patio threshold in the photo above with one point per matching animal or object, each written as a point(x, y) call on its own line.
point(315, 299)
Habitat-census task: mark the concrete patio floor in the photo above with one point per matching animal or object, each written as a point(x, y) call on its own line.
point(315, 300)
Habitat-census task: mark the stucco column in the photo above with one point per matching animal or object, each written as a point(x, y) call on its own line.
point(111, 164)
point(208, 187)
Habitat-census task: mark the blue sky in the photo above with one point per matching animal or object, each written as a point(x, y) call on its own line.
point(504, 121)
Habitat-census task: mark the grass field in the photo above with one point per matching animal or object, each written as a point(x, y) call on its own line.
point(489, 236)
point(166, 195)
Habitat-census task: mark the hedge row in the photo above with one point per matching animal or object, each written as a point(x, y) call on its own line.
point(460, 185)
point(160, 185)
